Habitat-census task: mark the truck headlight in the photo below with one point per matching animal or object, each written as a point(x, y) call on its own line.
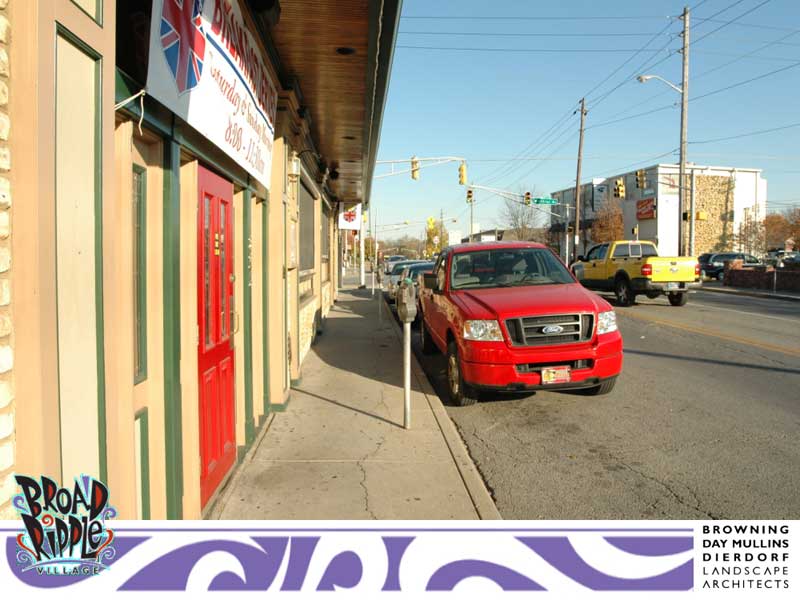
point(606, 322)
point(484, 331)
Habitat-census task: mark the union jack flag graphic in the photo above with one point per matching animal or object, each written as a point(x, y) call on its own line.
point(183, 41)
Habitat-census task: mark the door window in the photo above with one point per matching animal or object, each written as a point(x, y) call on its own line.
point(602, 251)
point(622, 251)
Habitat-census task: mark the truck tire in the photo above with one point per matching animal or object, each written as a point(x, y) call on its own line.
point(624, 292)
point(678, 298)
point(461, 393)
point(602, 389)
point(428, 347)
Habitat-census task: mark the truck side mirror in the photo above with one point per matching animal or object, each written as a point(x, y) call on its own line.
point(581, 258)
point(430, 282)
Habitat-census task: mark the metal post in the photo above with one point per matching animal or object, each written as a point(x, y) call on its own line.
point(407, 375)
point(471, 203)
point(374, 253)
point(578, 181)
point(692, 215)
point(361, 252)
point(684, 126)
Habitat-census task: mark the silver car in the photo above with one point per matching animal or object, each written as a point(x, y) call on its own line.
point(397, 271)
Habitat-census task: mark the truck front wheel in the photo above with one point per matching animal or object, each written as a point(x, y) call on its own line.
point(678, 298)
point(602, 389)
point(461, 393)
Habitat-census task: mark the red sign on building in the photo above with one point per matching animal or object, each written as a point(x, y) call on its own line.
point(646, 209)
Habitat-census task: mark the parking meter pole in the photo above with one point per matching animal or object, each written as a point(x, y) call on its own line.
point(407, 375)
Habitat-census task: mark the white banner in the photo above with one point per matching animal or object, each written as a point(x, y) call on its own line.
point(350, 218)
point(206, 67)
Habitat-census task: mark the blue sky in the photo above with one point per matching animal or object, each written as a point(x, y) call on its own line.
point(488, 105)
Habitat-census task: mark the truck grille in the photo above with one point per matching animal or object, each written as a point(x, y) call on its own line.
point(529, 331)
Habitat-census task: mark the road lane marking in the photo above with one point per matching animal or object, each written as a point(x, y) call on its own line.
point(744, 312)
point(722, 336)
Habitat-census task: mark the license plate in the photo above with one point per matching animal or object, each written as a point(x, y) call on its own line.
point(672, 286)
point(555, 375)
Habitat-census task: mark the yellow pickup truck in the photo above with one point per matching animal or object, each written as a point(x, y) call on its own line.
point(629, 267)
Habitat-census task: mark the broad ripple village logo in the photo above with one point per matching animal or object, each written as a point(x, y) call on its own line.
point(65, 528)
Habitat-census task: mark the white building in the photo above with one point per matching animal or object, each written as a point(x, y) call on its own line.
point(725, 198)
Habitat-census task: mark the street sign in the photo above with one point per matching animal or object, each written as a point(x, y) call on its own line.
point(545, 201)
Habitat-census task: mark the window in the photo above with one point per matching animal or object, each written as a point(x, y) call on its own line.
point(649, 250)
point(139, 204)
point(507, 267)
point(601, 252)
point(622, 251)
point(306, 201)
point(325, 243)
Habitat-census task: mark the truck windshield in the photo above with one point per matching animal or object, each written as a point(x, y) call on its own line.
point(508, 267)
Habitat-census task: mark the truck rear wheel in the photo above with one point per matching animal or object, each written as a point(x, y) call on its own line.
point(624, 292)
point(461, 393)
point(678, 298)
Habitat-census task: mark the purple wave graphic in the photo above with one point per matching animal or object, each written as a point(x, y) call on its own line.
point(395, 550)
point(344, 571)
point(122, 545)
point(447, 577)
point(652, 546)
point(171, 571)
point(559, 552)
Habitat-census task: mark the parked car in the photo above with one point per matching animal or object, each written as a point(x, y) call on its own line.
point(511, 317)
point(389, 262)
point(714, 267)
point(629, 267)
point(413, 272)
point(397, 271)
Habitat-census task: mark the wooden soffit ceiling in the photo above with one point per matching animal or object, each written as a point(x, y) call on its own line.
point(332, 48)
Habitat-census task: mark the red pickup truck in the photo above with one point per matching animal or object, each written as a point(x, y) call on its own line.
point(511, 317)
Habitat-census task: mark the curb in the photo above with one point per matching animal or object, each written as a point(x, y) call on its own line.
point(476, 488)
point(754, 294)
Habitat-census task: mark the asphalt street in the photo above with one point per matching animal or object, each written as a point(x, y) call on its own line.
point(704, 422)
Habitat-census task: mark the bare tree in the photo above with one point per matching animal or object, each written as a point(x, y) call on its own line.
point(521, 222)
point(608, 223)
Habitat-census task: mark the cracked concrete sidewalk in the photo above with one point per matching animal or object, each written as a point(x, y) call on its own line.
point(340, 450)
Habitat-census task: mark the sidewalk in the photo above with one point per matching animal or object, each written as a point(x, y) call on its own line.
point(340, 450)
point(755, 293)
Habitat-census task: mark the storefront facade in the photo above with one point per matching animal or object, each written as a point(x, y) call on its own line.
point(168, 279)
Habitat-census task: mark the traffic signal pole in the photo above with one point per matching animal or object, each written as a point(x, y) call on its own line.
point(684, 126)
point(578, 185)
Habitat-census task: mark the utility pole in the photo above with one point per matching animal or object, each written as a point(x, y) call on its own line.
point(441, 228)
point(361, 284)
point(684, 126)
point(578, 184)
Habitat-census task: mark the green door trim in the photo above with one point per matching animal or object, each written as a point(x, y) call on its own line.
point(144, 467)
point(172, 331)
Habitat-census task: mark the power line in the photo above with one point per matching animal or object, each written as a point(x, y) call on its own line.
point(525, 50)
point(741, 135)
point(537, 34)
point(750, 56)
point(704, 36)
point(540, 18)
point(740, 83)
point(636, 116)
point(751, 25)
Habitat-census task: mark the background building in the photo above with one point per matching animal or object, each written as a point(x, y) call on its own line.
point(726, 200)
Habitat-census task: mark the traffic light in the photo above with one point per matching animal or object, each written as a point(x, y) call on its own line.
point(641, 179)
point(619, 188)
point(527, 199)
point(469, 196)
point(414, 168)
point(462, 173)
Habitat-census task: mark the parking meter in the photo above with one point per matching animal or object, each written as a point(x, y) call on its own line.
point(407, 301)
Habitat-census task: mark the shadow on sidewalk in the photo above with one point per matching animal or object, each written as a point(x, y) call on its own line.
point(347, 406)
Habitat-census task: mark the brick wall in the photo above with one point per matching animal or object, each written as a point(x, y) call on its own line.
point(768, 278)
point(7, 453)
point(714, 195)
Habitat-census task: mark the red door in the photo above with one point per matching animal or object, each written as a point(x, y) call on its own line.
point(215, 344)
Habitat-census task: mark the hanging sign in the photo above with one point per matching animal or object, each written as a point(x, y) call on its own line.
point(350, 218)
point(206, 66)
